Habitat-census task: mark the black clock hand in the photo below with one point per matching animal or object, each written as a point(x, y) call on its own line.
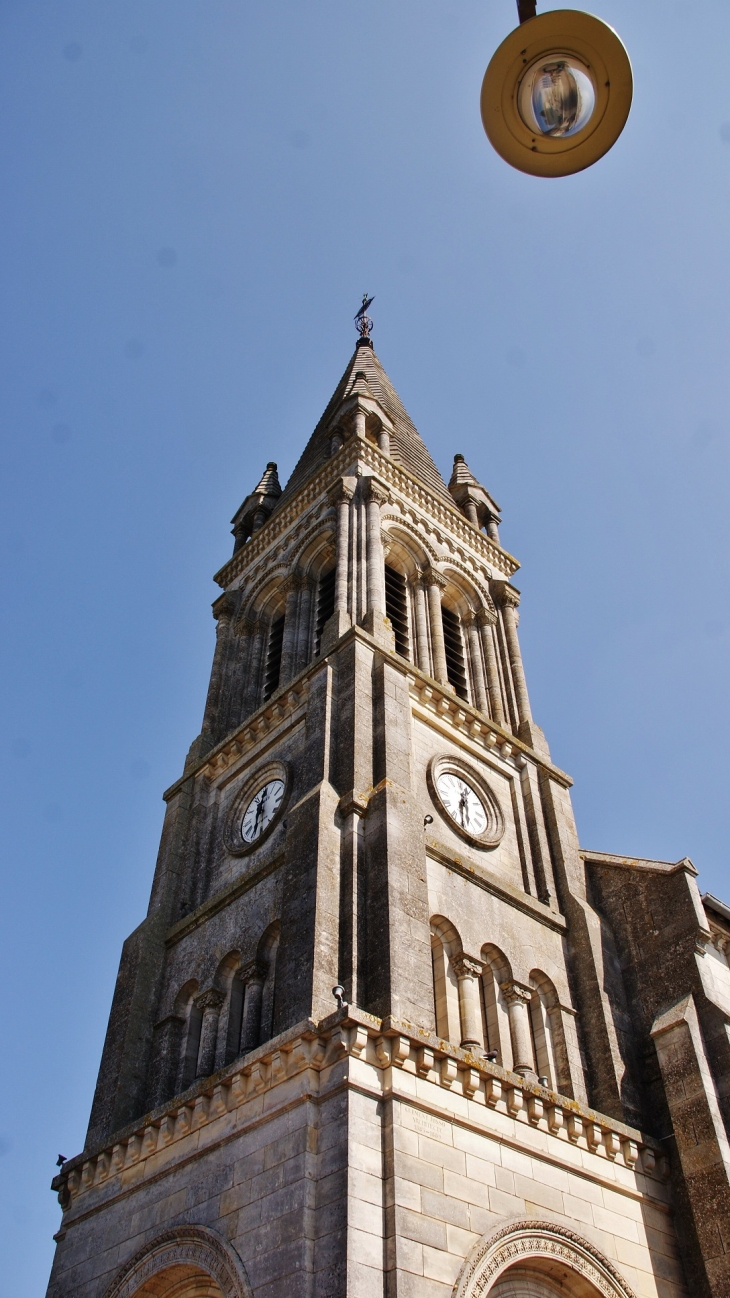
point(259, 810)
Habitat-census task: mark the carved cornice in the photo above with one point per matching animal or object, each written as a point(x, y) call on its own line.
point(384, 1044)
point(395, 476)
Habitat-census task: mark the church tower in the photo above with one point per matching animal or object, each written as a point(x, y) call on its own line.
point(386, 1031)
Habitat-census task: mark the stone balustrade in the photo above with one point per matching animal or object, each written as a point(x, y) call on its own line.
point(387, 1046)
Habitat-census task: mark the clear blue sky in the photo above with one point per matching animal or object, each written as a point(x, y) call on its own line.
point(194, 196)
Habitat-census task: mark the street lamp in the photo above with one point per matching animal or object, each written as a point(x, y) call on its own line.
point(557, 92)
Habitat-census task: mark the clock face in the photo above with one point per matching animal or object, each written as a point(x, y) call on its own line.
point(462, 803)
point(261, 810)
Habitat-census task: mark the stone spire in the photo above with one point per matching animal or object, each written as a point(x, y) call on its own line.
point(256, 508)
point(473, 499)
point(365, 376)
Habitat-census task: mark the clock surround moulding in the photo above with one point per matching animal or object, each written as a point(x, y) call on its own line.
point(493, 834)
point(234, 842)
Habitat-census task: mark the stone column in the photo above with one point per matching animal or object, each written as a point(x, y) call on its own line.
point(518, 1000)
point(468, 973)
point(470, 510)
point(435, 583)
point(253, 977)
point(210, 1003)
point(384, 441)
point(340, 496)
point(477, 669)
point(258, 635)
point(485, 621)
point(223, 612)
point(423, 660)
point(376, 495)
point(304, 630)
point(493, 528)
point(509, 600)
point(292, 586)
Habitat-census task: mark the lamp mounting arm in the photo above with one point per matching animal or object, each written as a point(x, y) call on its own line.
point(526, 9)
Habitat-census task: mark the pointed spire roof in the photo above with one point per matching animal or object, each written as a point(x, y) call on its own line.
point(365, 376)
point(269, 484)
point(462, 474)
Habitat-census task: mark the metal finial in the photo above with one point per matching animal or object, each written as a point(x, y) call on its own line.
point(362, 321)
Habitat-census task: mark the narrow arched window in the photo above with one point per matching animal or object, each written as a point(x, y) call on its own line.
point(454, 647)
point(273, 657)
point(396, 608)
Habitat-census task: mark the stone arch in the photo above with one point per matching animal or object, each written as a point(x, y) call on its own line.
point(496, 972)
point(184, 1262)
point(552, 1258)
point(228, 982)
point(446, 946)
point(266, 953)
point(189, 1011)
point(548, 1033)
point(413, 538)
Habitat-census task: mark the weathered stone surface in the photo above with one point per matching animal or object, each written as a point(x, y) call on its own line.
point(283, 1071)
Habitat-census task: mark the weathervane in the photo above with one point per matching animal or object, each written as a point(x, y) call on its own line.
point(363, 322)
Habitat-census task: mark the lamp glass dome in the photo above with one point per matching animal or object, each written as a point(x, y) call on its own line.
point(557, 96)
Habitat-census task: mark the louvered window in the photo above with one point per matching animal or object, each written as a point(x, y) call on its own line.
point(273, 657)
point(325, 605)
point(454, 652)
point(396, 607)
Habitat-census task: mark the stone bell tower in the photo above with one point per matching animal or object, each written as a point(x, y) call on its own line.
point(385, 1029)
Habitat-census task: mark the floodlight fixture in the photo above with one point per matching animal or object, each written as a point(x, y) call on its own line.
point(557, 92)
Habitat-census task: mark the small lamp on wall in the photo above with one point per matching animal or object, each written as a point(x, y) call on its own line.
point(557, 92)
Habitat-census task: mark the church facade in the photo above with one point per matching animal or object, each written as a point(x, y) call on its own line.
point(387, 1031)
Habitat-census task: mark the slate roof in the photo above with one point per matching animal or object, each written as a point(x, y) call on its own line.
point(406, 446)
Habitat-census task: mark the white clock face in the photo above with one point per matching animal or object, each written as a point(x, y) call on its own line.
point(462, 803)
point(261, 810)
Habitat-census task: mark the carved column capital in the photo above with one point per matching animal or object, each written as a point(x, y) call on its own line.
point(224, 608)
point(506, 595)
point(376, 491)
point(212, 999)
point(433, 577)
point(515, 993)
point(466, 967)
point(245, 625)
point(254, 971)
point(340, 493)
point(294, 582)
point(487, 616)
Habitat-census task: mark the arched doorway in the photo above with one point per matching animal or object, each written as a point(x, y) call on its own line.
point(180, 1282)
point(184, 1262)
point(528, 1258)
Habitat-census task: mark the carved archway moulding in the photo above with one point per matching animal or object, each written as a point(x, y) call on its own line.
point(526, 1240)
point(183, 1246)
